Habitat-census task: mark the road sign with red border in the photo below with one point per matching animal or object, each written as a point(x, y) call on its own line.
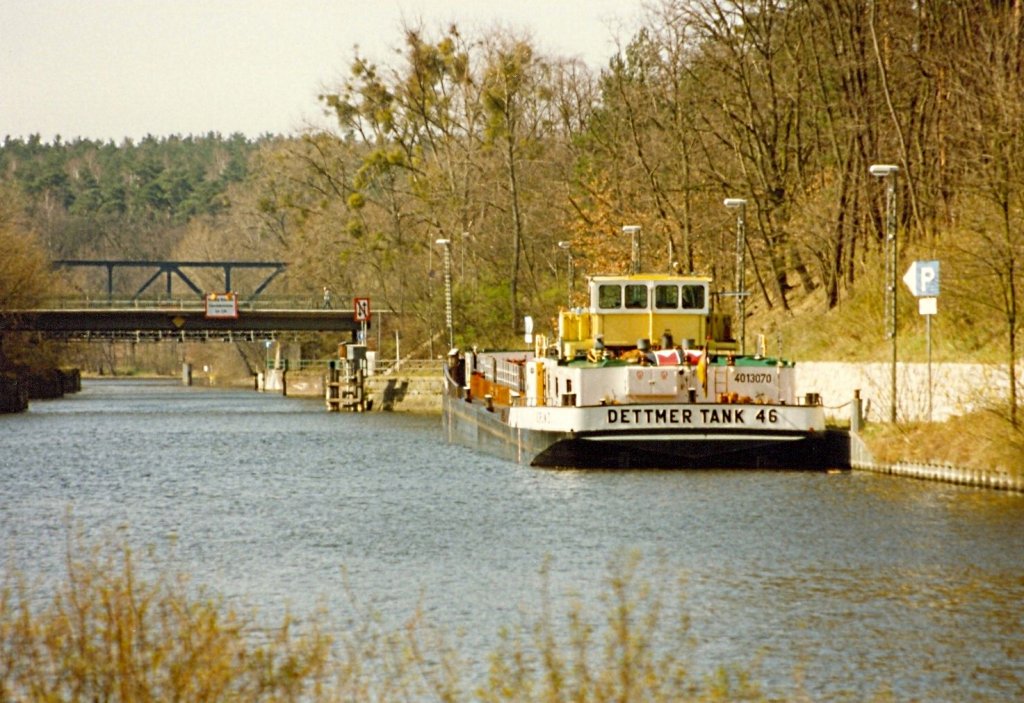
point(362, 309)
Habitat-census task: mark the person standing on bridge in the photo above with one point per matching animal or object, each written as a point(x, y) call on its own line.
point(327, 298)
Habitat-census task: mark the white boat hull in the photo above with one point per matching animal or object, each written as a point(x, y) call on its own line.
point(656, 435)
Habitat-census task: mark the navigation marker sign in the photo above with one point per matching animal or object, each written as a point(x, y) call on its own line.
point(362, 309)
point(922, 278)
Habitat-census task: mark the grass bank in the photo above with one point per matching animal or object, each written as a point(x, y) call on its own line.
point(982, 440)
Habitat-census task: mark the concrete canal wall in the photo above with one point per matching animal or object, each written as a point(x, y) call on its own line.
point(861, 459)
point(406, 393)
point(956, 388)
point(391, 392)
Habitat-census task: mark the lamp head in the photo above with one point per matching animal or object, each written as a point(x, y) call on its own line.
point(733, 203)
point(883, 170)
point(443, 242)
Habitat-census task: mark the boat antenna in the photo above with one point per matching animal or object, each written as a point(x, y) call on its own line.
point(634, 231)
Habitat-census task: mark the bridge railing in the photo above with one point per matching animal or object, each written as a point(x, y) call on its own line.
point(381, 367)
point(185, 303)
point(409, 366)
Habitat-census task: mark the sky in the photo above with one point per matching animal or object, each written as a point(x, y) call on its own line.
point(116, 69)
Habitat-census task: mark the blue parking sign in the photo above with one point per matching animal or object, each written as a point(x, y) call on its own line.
point(922, 278)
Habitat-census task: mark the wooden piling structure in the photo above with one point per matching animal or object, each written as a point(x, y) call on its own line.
point(332, 387)
point(345, 386)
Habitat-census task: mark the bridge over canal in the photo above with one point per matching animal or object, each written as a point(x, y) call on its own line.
point(174, 323)
point(152, 312)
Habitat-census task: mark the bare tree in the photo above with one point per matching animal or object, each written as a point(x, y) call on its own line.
point(992, 112)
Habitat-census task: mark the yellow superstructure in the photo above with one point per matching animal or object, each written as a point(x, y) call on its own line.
point(626, 309)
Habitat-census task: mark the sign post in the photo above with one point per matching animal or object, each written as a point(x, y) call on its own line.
point(922, 278)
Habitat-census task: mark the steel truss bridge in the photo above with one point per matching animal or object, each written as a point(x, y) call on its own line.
point(177, 269)
point(163, 319)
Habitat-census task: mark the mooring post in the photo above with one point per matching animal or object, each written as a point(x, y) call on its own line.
point(856, 419)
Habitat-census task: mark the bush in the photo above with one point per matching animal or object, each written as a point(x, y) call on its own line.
point(109, 634)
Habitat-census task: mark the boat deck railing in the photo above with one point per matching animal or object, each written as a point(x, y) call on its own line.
point(503, 369)
point(510, 375)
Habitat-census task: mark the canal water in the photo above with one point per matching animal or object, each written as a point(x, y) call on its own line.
point(832, 586)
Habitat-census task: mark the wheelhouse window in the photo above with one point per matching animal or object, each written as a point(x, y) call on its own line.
point(694, 297)
point(636, 296)
point(666, 297)
point(609, 296)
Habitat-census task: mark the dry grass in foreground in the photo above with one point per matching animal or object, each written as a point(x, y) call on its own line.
point(108, 634)
point(980, 440)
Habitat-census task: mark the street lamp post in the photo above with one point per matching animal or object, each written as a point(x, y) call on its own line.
point(740, 205)
point(888, 172)
point(570, 270)
point(634, 232)
point(447, 244)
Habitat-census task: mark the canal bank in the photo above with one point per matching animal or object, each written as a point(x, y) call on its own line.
point(944, 394)
point(861, 459)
